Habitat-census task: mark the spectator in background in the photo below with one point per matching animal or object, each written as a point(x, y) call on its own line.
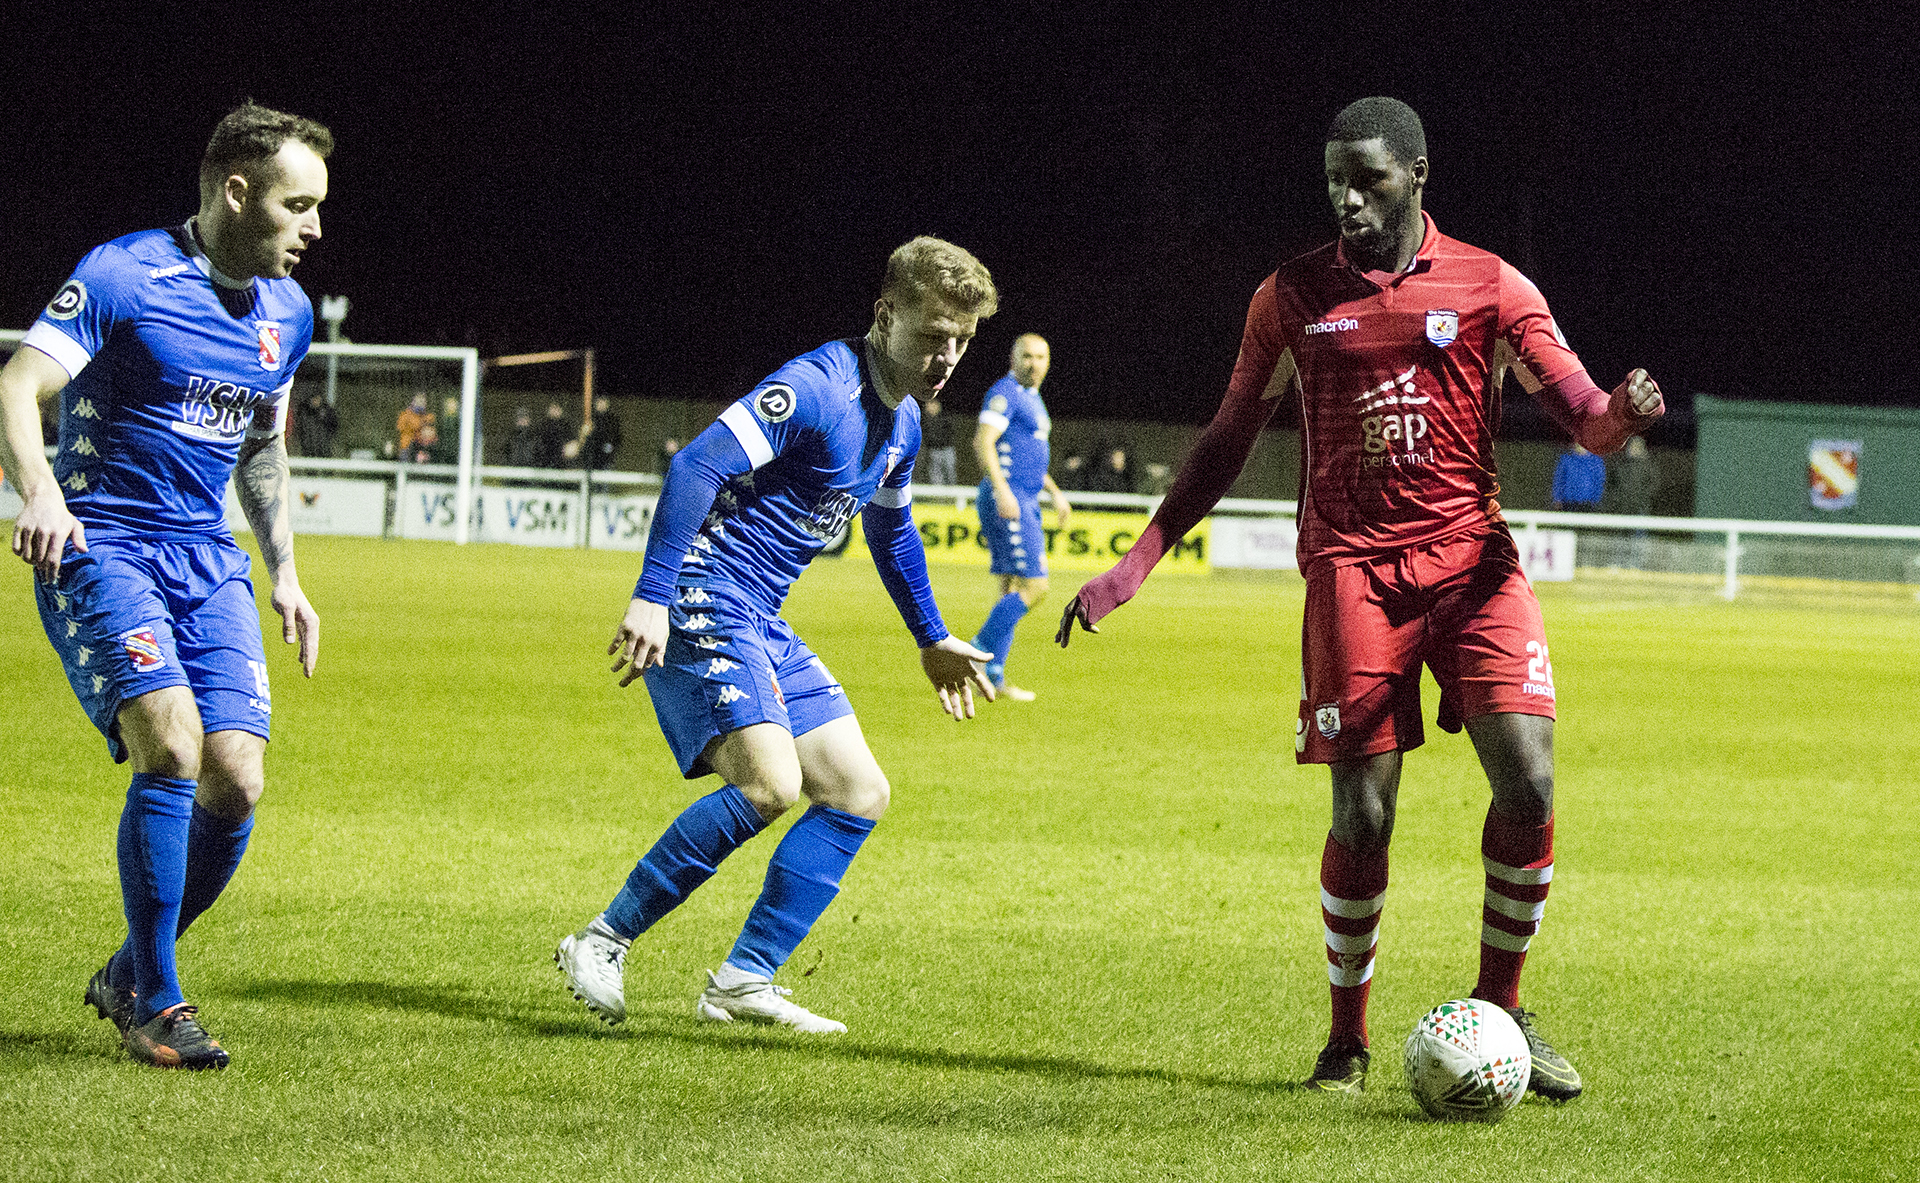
point(315, 426)
point(1073, 472)
point(1579, 480)
point(426, 443)
point(603, 436)
point(447, 450)
point(1157, 481)
point(1112, 472)
point(1633, 479)
point(938, 459)
point(523, 446)
point(669, 448)
point(551, 438)
point(412, 416)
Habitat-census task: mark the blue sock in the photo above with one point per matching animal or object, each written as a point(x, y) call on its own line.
point(802, 880)
point(996, 635)
point(214, 847)
point(685, 857)
point(153, 872)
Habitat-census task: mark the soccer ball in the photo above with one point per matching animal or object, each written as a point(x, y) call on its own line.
point(1467, 1061)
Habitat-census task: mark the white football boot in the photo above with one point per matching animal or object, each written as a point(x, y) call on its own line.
point(758, 1000)
point(595, 961)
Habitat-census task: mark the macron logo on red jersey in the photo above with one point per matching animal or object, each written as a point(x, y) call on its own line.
point(1342, 325)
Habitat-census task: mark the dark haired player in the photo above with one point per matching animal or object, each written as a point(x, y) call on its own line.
point(1395, 339)
point(174, 352)
point(745, 507)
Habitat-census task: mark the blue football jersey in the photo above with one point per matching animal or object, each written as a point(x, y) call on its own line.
point(822, 444)
point(1024, 428)
point(172, 364)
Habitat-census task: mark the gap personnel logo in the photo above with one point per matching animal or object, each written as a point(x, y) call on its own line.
point(68, 301)
point(1344, 324)
point(309, 499)
point(270, 345)
point(774, 404)
point(1443, 325)
point(1327, 718)
point(143, 651)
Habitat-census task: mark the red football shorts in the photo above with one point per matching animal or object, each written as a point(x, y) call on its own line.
point(1462, 607)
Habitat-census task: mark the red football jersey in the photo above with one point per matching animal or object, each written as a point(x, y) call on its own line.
point(1399, 379)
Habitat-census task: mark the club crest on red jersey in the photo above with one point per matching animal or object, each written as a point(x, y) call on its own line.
point(143, 650)
point(1443, 325)
point(270, 345)
point(1327, 718)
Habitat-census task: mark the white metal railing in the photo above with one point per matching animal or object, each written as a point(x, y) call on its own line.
point(466, 474)
point(1521, 520)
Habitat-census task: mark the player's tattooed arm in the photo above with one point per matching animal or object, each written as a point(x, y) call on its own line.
point(262, 480)
point(266, 496)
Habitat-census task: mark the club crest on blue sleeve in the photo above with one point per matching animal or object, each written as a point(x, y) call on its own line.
point(269, 345)
point(143, 649)
point(1443, 325)
point(774, 404)
point(68, 301)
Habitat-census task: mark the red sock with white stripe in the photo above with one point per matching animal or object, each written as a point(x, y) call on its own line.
point(1353, 888)
point(1519, 862)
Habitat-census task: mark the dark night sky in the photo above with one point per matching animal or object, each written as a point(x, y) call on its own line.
point(701, 194)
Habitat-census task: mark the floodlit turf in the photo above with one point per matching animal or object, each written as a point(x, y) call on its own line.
point(1085, 943)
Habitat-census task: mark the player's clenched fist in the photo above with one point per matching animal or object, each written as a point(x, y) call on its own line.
point(1640, 395)
point(641, 639)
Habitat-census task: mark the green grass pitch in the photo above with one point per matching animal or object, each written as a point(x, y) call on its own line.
point(1084, 944)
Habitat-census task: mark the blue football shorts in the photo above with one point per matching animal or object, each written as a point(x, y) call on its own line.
point(729, 666)
point(1018, 547)
point(131, 617)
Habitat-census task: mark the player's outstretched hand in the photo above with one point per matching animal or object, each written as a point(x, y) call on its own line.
point(955, 669)
point(1097, 597)
point(298, 622)
point(1076, 611)
point(41, 533)
point(641, 639)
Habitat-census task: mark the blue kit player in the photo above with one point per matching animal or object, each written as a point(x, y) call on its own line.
point(1011, 445)
point(173, 353)
point(744, 509)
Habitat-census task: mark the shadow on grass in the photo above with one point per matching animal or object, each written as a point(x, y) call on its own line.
point(459, 1004)
point(21, 1048)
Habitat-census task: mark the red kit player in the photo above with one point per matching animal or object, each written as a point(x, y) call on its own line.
point(1395, 339)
